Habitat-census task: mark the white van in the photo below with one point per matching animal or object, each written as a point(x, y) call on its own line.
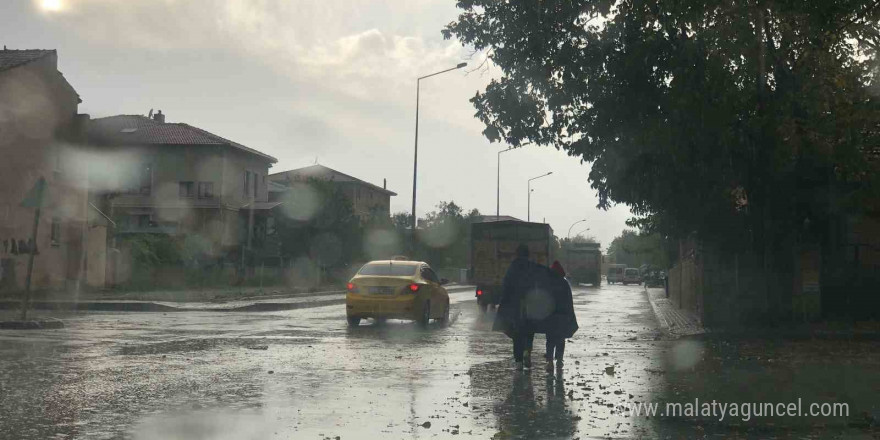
point(615, 273)
point(631, 276)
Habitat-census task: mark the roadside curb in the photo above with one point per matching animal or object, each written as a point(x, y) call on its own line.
point(94, 306)
point(674, 322)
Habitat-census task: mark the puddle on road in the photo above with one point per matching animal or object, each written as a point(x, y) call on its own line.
point(313, 377)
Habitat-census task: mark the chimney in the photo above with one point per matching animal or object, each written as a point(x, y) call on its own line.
point(384, 183)
point(159, 117)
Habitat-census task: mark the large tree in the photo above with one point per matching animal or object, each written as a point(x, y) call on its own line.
point(443, 235)
point(740, 121)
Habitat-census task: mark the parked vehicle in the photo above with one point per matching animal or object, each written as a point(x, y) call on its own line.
point(493, 248)
point(583, 262)
point(656, 278)
point(631, 276)
point(396, 289)
point(615, 273)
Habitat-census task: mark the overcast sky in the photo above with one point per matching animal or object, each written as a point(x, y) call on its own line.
point(307, 80)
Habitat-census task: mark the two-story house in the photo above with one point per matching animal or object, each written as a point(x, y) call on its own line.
point(39, 128)
point(176, 179)
point(366, 199)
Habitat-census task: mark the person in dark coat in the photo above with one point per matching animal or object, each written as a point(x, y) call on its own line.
point(562, 323)
point(511, 319)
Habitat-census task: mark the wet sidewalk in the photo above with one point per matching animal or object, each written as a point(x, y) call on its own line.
point(674, 321)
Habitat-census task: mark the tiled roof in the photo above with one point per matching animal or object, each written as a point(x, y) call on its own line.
point(10, 58)
point(321, 172)
point(141, 130)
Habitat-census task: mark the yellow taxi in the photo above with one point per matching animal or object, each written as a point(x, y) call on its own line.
point(396, 289)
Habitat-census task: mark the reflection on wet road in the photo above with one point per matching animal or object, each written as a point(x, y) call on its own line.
point(305, 374)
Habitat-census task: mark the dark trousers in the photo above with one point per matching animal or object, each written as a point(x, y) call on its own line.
point(555, 345)
point(522, 342)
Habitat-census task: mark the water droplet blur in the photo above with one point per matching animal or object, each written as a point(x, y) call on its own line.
point(686, 354)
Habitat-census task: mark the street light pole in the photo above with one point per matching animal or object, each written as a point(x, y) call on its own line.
point(572, 225)
point(529, 212)
point(498, 185)
point(581, 232)
point(416, 149)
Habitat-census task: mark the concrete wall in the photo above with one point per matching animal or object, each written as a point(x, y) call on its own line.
point(235, 164)
point(685, 285)
point(40, 127)
point(96, 256)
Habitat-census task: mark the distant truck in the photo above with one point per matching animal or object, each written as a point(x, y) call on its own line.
point(615, 273)
point(493, 248)
point(583, 263)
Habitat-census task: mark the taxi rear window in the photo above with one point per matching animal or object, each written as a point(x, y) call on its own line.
point(388, 270)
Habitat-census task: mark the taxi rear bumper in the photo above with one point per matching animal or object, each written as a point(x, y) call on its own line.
point(374, 306)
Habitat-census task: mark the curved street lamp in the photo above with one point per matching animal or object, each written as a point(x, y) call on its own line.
point(529, 213)
point(416, 149)
point(572, 225)
point(498, 184)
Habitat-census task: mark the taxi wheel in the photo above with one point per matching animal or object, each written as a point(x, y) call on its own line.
point(445, 318)
point(353, 321)
point(426, 314)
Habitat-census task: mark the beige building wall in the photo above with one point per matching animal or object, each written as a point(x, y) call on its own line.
point(365, 199)
point(215, 220)
point(39, 125)
point(96, 254)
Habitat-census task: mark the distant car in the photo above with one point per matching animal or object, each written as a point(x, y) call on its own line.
point(631, 276)
point(656, 278)
point(615, 273)
point(396, 289)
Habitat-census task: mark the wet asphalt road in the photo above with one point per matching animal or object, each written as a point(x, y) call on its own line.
point(305, 374)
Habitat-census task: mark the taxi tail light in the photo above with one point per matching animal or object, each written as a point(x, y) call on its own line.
point(413, 288)
point(479, 292)
point(352, 288)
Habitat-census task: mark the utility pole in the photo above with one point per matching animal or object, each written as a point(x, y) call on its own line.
point(529, 208)
point(498, 185)
point(416, 151)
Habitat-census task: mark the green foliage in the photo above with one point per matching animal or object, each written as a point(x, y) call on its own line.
point(445, 238)
point(319, 224)
point(160, 261)
point(634, 249)
point(735, 120)
point(154, 250)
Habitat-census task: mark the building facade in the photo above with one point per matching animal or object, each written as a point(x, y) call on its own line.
point(366, 199)
point(39, 133)
point(158, 177)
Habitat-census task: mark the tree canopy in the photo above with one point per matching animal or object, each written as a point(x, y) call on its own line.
point(725, 118)
point(634, 249)
point(443, 235)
